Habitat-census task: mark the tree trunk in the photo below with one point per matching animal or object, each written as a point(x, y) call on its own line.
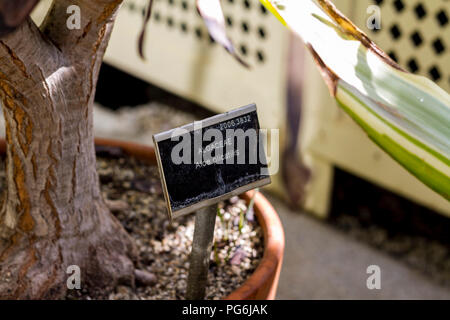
point(53, 215)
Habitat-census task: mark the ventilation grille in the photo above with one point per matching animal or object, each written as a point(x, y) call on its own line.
point(182, 58)
point(416, 34)
point(245, 20)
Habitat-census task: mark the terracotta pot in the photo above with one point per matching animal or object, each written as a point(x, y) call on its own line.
point(262, 284)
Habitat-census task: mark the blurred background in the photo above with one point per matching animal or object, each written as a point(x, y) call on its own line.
point(344, 204)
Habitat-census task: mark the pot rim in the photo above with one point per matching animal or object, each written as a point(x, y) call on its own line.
point(266, 274)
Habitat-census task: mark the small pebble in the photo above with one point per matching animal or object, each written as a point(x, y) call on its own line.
point(145, 278)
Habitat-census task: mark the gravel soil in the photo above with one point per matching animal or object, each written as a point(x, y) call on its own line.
point(133, 192)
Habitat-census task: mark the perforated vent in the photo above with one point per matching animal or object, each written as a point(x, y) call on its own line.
point(244, 20)
point(416, 34)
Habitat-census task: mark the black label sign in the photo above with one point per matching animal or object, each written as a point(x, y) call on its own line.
point(211, 160)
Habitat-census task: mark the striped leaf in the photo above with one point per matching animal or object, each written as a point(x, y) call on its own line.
point(408, 116)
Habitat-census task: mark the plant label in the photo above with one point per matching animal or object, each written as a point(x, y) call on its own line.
point(211, 160)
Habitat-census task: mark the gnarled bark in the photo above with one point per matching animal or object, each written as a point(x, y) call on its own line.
point(53, 215)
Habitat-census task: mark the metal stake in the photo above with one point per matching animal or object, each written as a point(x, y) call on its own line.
point(205, 220)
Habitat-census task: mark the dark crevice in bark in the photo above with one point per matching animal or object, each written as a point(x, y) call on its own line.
point(15, 59)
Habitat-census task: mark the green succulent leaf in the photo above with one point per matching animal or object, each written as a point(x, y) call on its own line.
point(408, 116)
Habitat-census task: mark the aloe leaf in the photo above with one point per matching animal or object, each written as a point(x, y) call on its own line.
point(408, 116)
point(211, 12)
point(141, 39)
